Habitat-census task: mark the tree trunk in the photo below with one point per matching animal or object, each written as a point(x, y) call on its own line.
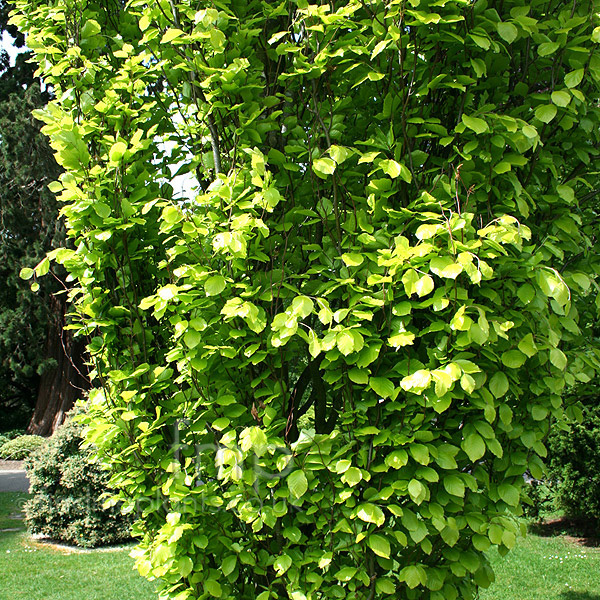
point(63, 384)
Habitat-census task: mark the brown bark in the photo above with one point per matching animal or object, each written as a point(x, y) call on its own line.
point(62, 385)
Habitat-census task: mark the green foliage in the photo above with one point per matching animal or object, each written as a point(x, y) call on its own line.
point(67, 489)
point(540, 500)
point(6, 436)
point(574, 466)
point(384, 229)
point(21, 447)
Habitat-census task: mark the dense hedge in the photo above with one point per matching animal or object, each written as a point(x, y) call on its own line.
point(324, 363)
point(68, 489)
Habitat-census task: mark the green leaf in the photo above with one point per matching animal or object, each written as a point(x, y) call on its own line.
point(314, 345)
point(454, 485)
point(445, 456)
point(353, 260)
point(546, 113)
point(444, 266)
point(185, 566)
point(417, 491)
point(526, 293)
point(383, 585)
point(558, 358)
point(228, 565)
point(409, 279)
point(499, 384)
point(420, 453)
point(324, 167)
point(352, 476)
point(382, 386)
point(513, 359)
point(345, 342)
point(474, 446)
point(282, 564)
point(360, 376)
point(117, 151)
point(547, 48)
point(26, 273)
point(417, 382)
point(339, 153)
point(214, 285)
point(527, 346)
point(297, 483)
point(370, 513)
point(574, 78)
point(401, 339)
point(325, 559)
point(478, 125)
point(346, 574)
point(379, 545)
point(413, 576)
point(213, 587)
point(424, 285)
point(192, 338)
point(102, 210)
point(561, 98)
point(395, 169)
point(170, 35)
point(507, 31)
point(509, 494)
point(255, 439)
point(397, 459)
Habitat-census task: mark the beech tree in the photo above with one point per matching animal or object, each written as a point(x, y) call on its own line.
point(323, 366)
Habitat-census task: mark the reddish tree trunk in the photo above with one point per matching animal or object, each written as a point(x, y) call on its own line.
point(65, 383)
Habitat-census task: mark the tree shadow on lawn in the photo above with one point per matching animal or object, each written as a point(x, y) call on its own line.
point(571, 595)
point(582, 531)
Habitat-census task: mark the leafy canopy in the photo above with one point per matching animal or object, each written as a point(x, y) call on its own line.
point(323, 371)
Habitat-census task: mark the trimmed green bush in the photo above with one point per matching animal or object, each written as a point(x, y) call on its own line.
point(21, 447)
point(67, 490)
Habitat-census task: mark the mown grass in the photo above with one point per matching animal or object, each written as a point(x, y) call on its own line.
point(546, 568)
point(31, 571)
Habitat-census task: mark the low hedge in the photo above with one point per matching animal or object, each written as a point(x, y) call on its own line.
point(20, 447)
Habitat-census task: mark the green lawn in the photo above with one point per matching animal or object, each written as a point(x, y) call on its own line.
point(31, 572)
point(546, 569)
point(537, 569)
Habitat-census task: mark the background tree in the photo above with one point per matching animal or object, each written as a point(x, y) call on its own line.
point(386, 220)
point(36, 374)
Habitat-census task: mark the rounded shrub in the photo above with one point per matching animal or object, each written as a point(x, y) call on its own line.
point(67, 490)
point(21, 447)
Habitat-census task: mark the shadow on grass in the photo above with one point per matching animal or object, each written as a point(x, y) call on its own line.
point(585, 532)
point(571, 595)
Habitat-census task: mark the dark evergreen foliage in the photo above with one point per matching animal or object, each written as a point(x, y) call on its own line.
point(28, 229)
